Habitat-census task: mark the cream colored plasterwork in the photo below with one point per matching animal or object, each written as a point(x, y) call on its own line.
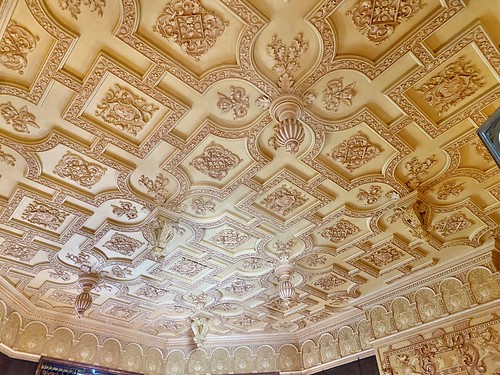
point(340, 231)
point(284, 200)
point(77, 169)
point(216, 161)
point(20, 119)
point(73, 6)
point(336, 93)
point(286, 59)
point(44, 215)
point(16, 44)
point(236, 102)
point(354, 152)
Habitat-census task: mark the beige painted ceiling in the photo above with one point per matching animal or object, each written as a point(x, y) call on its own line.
point(113, 113)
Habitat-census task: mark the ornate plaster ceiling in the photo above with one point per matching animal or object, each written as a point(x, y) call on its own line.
point(114, 113)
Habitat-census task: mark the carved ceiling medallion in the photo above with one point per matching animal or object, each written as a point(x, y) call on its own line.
point(157, 188)
point(123, 244)
point(125, 110)
point(236, 102)
point(383, 257)
point(202, 206)
point(450, 188)
point(335, 94)
point(284, 200)
point(186, 267)
point(417, 170)
point(239, 287)
point(15, 46)
point(454, 83)
point(453, 224)
point(43, 215)
point(378, 19)
point(75, 168)
point(20, 120)
point(340, 231)
point(190, 25)
point(151, 292)
point(216, 161)
point(315, 260)
point(230, 238)
point(371, 196)
point(125, 208)
point(355, 151)
point(74, 6)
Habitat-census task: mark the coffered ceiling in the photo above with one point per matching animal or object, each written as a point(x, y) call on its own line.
point(116, 114)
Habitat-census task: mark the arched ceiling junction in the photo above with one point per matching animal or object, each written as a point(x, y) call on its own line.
point(115, 113)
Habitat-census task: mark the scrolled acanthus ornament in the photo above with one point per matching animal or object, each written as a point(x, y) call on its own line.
point(159, 232)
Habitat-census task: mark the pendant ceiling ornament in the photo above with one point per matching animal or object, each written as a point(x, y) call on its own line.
point(159, 233)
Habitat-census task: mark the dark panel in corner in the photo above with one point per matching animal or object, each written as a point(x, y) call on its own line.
point(365, 366)
point(12, 366)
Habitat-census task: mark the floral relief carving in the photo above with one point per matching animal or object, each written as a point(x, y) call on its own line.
point(60, 274)
point(7, 158)
point(315, 260)
point(16, 44)
point(120, 312)
point(230, 238)
point(318, 317)
point(335, 93)
point(43, 215)
point(239, 287)
point(74, 6)
point(284, 200)
point(21, 252)
point(371, 196)
point(125, 208)
point(151, 292)
point(281, 305)
point(339, 231)
point(286, 59)
point(454, 297)
point(236, 102)
point(62, 296)
point(457, 81)
point(82, 259)
point(384, 256)
point(417, 170)
point(121, 272)
point(253, 264)
point(355, 151)
point(245, 321)
point(157, 188)
point(226, 307)
point(190, 25)
point(452, 224)
point(20, 119)
point(188, 268)
point(378, 19)
point(125, 110)
point(482, 151)
point(450, 188)
point(329, 282)
point(216, 161)
point(75, 168)
point(123, 244)
point(202, 206)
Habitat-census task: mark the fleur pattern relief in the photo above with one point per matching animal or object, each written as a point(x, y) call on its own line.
point(286, 59)
point(21, 252)
point(74, 6)
point(20, 119)
point(230, 238)
point(454, 83)
point(378, 19)
point(245, 321)
point(190, 25)
point(452, 224)
point(121, 272)
point(450, 188)
point(216, 161)
point(151, 292)
point(315, 260)
point(340, 231)
point(329, 282)
point(482, 151)
point(186, 267)
point(7, 158)
point(120, 312)
point(43, 215)
point(202, 206)
point(253, 264)
point(75, 168)
point(284, 200)
point(125, 110)
point(335, 93)
point(125, 208)
point(62, 296)
point(236, 102)
point(239, 287)
point(157, 188)
point(355, 151)
point(371, 196)
point(59, 274)
point(417, 170)
point(16, 44)
point(123, 244)
point(383, 257)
